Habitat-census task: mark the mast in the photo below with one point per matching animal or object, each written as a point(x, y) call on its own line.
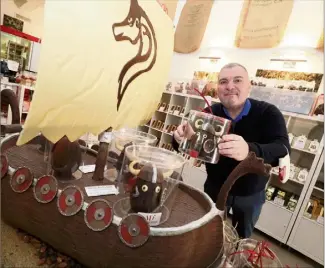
point(101, 160)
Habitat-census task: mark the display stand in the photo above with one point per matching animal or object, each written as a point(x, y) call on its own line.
point(297, 186)
point(308, 231)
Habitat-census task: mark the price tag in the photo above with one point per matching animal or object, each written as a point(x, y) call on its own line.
point(320, 220)
point(88, 168)
point(300, 142)
point(106, 137)
point(101, 190)
point(313, 146)
point(152, 218)
point(279, 201)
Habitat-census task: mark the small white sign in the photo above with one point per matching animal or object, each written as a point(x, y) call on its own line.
point(105, 137)
point(313, 146)
point(320, 220)
point(88, 168)
point(289, 64)
point(101, 190)
point(279, 201)
point(152, 218)
point(300, 142)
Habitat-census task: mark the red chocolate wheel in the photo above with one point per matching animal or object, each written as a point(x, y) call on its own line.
point(98, 215)
point(134, 230)
point(70, 200)
point(45, 189)
point(21, 180)
point(4, 165)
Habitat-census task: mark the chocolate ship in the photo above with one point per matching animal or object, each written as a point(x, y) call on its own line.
point(42, 187)
point(58, 211)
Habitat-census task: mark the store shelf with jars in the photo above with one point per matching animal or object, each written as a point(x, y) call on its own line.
point(308, 230)
point(285, 200)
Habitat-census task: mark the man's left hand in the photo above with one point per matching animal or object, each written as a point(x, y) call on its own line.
point(233, 146)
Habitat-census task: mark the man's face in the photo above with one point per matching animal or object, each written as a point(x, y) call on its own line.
point(233, 87)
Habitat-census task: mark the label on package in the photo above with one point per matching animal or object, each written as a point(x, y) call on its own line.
point(152, 218)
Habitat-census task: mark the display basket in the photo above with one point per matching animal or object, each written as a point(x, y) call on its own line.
point(147, 178)
point(255, 254)
point(124, 137)
point(202, 135)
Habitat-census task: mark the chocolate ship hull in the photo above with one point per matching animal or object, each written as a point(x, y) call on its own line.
point(191, 237)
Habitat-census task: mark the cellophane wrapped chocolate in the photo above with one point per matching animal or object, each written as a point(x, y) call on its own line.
point(123, 138)
point(255, 254)
point(148, 179)
point(203, 132)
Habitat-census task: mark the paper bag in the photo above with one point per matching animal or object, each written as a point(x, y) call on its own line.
point(262, 23)
point(192, 25)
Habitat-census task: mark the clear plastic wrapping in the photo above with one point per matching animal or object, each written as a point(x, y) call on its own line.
point(148, 179)
point(203, 132)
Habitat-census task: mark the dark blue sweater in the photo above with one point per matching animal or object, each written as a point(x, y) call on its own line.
point(264, 129)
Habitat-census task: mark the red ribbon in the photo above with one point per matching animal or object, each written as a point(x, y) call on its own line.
point(255, 257)
point(204, 98)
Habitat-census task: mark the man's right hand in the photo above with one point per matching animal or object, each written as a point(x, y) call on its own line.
point(184, 130)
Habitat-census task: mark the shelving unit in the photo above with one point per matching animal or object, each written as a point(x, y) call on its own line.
point(308, 231)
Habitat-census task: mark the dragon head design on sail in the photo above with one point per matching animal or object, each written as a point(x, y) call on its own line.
point(138, 30)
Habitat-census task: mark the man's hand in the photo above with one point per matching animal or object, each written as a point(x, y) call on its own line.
point(183, 131)
point(233, 146)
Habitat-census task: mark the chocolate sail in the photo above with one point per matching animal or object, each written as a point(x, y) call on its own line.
point(103, 64)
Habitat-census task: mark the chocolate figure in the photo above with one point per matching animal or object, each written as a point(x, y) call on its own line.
point(145, 195)
point(66, 158)
point(204, 143)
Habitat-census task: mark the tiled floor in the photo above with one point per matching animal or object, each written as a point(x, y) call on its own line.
point(16, 253)
point(287, 256)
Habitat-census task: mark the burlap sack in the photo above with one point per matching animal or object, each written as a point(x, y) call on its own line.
point(192, 25)
point(262, 23)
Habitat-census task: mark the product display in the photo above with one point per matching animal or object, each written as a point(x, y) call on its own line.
point(125, 137)
point(292, 203)
point(203, 134)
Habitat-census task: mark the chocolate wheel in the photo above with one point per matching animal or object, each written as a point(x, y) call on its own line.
point(209, 146)
point(98, 215)
point(4, 165)
point(45, 189)
point(21, 180)
point(134, 230)
point(70, 201)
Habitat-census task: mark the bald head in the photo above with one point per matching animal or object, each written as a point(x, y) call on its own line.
point(233, 65)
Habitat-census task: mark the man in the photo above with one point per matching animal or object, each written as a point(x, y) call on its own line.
point(257, 126)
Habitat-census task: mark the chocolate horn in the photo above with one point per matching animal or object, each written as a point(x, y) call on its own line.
point(197, 125)
point(168, 173)
point(134, 171)
point(118, 146)
point(251, 164)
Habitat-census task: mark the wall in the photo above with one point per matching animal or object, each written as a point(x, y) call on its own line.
point(33, 10)
point(303, 32)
